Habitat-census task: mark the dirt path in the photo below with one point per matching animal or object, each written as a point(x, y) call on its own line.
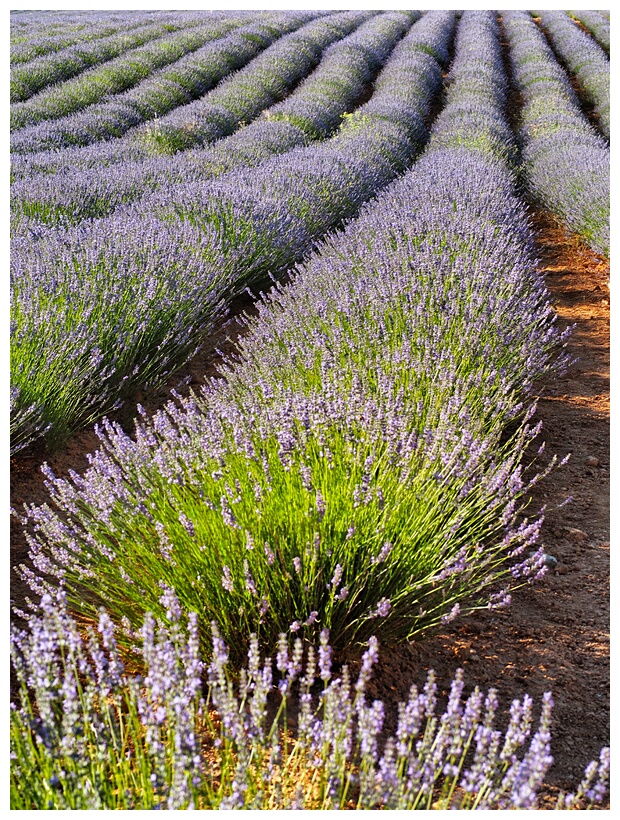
point(555, 636)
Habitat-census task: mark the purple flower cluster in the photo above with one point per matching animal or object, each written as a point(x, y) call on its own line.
point(74, 691)
point(565, 162)
point(313, 109)
point(84, 725)
point(584, 58)
point(597, 23)
point(317, 105)
point(154, 96)
point(77, 286)
point(63, 64)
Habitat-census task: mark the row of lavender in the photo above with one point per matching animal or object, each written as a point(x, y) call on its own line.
point(353, 470)
point(93, 312)
point(31, 42)
point(89, 735)
point(312, 111)
point(583, 58)
point(597, 23)
point(28, 79)
point(565, 162)
point(185, 79)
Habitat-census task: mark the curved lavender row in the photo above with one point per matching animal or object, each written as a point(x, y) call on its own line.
point(317, 105)
point(27, 80)
point(42, 23)
point(125, 150)
point(77, 701)
point(287, 57)
point(353, 471)
point(247, 226)
point(120, 74)
point(597, 24)
point(217, 114)
point(473, 117)
point(315, 108)
point(242, 96)
point(584, 58)
point(96, 28)
point(565, 162)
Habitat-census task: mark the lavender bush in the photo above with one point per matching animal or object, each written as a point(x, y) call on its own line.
point(365, 55)
point(354, 471)
point(313, 110)
point(597, 23)
point(565, 162)
point(249, 225)
point(584, 58)
point(88, 735)
point(81, 291)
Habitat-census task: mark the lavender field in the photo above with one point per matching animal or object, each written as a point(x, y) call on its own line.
point(360, 470)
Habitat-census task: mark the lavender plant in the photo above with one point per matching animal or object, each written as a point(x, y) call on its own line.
point(597, 23)
point(354, 471)
point(27, 80)
point(314, 109)
point(318, 104)
point(584, 58)
point(88, 735)
point(247, 226)
point(565, 163)
point(81, 292)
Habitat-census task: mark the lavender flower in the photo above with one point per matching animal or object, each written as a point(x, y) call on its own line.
point(227, 580)
point(383, 607)
point(172, 733)
point(450, 616)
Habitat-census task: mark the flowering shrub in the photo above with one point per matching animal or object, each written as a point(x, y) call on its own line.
point(288, 55)
point(584, 58)
point(115, 317)
point(88, 735)
point(316, 105)
point(565, 162)
point(597, 23)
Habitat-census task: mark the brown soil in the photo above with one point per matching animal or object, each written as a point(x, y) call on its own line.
point(555, 636)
